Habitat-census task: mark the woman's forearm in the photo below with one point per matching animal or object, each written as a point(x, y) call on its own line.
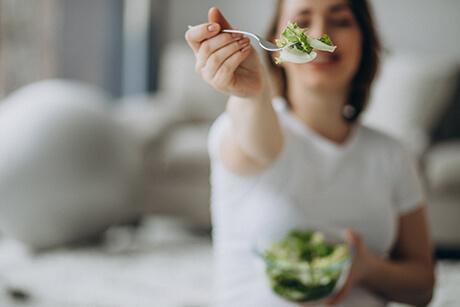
point(402, 281)
point(256, 138)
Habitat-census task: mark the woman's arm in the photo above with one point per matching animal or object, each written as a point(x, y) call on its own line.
point(255, 140)
point(407, 276)
point(228, 63)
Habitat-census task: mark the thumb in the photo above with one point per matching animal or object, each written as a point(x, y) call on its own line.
point(352, 237)
point(215, 16)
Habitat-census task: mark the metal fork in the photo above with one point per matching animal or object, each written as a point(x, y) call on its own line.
point(262, 42)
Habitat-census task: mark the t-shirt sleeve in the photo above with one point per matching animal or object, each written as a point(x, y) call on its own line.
point(409, 193)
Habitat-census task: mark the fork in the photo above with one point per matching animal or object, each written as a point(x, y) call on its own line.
point(262, 42)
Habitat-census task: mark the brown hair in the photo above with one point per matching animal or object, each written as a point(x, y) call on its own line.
point(370, 59)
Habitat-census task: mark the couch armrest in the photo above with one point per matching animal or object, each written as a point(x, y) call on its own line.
point(442, 164)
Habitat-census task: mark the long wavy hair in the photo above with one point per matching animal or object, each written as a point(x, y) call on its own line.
point(370, 59)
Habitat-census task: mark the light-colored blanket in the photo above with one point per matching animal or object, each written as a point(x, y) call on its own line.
point(162, 263)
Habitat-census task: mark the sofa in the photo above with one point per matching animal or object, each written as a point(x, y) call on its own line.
point(415, 99)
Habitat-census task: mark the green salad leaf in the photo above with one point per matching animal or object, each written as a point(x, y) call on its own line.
point(325, 39)
point(301, 265)
point(298, 46)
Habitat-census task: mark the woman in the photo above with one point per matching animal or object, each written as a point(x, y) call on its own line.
point(303, 156)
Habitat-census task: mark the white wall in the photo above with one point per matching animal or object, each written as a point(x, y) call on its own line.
point(422, 26)
point(89, 42)
point(251, 15)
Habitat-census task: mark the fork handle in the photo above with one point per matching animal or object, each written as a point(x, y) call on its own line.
point(233, 31)
point(241, 32)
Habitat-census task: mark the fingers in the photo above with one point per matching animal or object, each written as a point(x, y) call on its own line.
point(355, 240)
point(218, 48)
point(343, 292)
point(215, 16)
point(196, 35)
point(218, 55)
point(220, 66)
point(339, 296)
point(225, 74)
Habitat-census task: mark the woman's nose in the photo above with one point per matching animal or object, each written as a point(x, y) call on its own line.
point(317, 28)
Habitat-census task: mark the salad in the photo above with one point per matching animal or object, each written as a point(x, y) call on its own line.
point(302, 267)
point(298, 46)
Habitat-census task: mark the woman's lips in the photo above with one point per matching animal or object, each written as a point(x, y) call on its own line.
point(325, 58)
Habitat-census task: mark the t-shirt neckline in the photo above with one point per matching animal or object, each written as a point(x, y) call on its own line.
point(324, 143)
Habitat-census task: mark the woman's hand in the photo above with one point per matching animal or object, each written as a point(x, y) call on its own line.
point(226, 61)
point(407, 276)
point(358, 269)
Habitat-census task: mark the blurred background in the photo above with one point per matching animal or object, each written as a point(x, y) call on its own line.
point(117, 44)
point(103, 143)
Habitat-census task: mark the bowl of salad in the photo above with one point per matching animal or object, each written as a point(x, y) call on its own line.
point(304, 265)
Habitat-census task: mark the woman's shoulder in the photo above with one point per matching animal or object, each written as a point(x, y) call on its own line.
point(382, 142)
point(373, 135)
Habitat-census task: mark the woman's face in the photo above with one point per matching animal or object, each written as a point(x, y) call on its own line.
point(336, 19)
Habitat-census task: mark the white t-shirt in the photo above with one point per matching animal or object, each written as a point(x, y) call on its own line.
point(364, 184)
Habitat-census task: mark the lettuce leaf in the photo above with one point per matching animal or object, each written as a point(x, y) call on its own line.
point(298, 47)
point(325, 39)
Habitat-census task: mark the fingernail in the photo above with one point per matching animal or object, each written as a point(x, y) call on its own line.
point(245, 49)
point(237, 35)
point(243, 41)
point(213, 27)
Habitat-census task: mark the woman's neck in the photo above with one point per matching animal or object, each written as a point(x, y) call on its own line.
point(322, 111)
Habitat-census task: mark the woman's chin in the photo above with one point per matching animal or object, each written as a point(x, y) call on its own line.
point(322, 83)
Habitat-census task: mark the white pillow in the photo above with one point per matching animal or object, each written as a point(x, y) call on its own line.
point(442, 164)
point(198, 100)
point(409, 96)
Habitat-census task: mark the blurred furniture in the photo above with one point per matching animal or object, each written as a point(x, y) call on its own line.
point(174, 124)
point(415, 99)
point(28, 43)
point(68, 168)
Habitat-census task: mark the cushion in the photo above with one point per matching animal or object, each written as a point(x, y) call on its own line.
point(449, 125)
point(409, 96)
point(186, 151)
point(198, 100)
point(148, 116)
point(442, 163)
